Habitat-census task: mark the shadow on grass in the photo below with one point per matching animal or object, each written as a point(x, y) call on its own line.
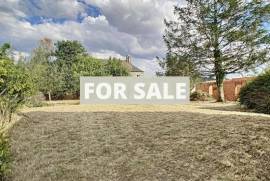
point(140, 146)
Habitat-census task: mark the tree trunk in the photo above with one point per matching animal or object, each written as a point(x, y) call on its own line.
point(50, 97)
point(220, 74)
point(220, 88)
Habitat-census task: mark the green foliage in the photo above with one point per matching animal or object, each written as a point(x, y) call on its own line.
point(86, 66)
point(67, 51)
point(15, 88)
point(200, 96)
point(90, 66)
point(116, 67)
point(56, 70)
point(67, 54)
point(180, 66)
point(219, 37)
point(54, 84)
point(45, 72)
point(4, 158)
point(38, 66)
point(4, 50)
point(72, 61)
point(256, 94)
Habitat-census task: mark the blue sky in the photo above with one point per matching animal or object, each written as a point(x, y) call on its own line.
point(105, 27)
point(89, 10)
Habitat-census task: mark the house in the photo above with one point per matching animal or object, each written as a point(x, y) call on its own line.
point(232, 88)
point(133, 70)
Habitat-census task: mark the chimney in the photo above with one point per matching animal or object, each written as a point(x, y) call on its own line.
point(128, 59)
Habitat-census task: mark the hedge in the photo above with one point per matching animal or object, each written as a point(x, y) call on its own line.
point(256, 94)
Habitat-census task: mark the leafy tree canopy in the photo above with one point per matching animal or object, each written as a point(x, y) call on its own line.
point(220, 37)
point(67, 51)
point(67, 54)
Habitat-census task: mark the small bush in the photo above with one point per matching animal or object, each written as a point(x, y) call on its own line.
point(256, 94)
point(200, 96)
point(4, 158)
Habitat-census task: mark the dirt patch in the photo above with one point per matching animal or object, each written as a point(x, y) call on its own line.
point(124, 143)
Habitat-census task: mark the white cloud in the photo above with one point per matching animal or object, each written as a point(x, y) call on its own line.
point(150, 66)
point(105, 54)
point(125, 26)
point(16, 55)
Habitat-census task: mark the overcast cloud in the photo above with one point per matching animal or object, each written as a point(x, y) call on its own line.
point(105, 27)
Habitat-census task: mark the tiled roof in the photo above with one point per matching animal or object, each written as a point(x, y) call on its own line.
point(135, 69)
point(131, 67)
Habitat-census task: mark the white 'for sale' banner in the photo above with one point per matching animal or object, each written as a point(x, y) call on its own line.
point(133, 90)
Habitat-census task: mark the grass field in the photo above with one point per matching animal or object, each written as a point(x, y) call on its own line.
point(201, 141)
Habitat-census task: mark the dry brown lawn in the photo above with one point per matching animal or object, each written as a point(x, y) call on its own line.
point(201, 141)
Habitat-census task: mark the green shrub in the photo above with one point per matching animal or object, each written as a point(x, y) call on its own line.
point(200, 96)
point(4, 158)
point(256, 94)
point(116, 67)
point(15, 88)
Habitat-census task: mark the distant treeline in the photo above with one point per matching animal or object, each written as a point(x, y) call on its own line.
point(56, 68)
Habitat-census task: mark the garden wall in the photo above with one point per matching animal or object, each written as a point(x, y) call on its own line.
point(231, 88)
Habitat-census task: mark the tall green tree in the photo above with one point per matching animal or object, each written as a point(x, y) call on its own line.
point(67, 53)
point(54, 81)
point(38, 65)
point(220, 37)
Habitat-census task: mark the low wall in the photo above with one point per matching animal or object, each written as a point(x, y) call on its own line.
point(231, 88)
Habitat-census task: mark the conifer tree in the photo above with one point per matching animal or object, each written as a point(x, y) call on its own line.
point(220, 37)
